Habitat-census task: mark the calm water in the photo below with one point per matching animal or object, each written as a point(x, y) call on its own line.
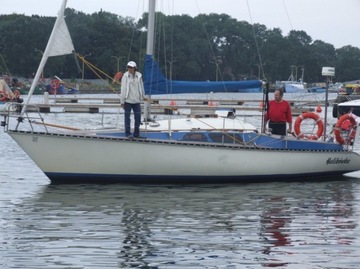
point(282, 225)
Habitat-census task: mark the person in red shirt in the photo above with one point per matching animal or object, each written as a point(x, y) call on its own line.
point(278, 114)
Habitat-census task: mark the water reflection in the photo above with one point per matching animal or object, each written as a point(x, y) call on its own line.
point(136, 246)
point(285, 225)
point(275, 221)
point(326, 217)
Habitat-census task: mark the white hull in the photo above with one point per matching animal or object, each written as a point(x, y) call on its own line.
point(292, 86)
point(170, 156)
point(352, 106)
point(295, 87)
point(71, 159)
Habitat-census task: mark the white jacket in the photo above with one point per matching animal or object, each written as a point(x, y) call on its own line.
point(125, 87)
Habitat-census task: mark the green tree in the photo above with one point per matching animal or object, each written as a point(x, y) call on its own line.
point(206, 47)
point(348, 63)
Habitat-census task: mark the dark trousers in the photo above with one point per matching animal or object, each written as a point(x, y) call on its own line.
point(278, 128)
point(136, 108)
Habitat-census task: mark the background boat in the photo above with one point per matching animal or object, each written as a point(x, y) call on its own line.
point(293, 84)
point(58, 86)
point(352, 106)
point(7, 96)
point(349, 91)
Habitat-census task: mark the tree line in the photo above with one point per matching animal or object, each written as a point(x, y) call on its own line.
point(205, 47)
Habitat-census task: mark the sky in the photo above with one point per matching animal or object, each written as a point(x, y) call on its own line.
point(333, 21)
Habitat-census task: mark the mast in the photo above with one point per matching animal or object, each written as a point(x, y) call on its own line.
point(151, 28)
point(150, 51)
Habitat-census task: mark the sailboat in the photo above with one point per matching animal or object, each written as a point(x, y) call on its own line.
point(193, 155)
point(7, 96)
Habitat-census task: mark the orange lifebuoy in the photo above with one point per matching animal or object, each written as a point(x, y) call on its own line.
point(55, 84)
point(350, 122)
point(316, 118)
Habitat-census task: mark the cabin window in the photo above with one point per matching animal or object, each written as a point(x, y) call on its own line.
point(226, 138)
point(198, 137)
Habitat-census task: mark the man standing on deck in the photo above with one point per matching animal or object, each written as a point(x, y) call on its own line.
point(132, 94)
point(278, 114)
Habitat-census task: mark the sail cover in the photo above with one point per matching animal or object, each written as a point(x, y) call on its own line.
point(156, 83)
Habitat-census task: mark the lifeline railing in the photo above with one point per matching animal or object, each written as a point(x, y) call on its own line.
point(13, 120)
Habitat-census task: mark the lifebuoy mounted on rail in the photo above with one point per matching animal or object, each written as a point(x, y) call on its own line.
point(316, 118)
point(346, 124)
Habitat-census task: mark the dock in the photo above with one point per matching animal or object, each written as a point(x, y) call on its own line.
point(79, 104)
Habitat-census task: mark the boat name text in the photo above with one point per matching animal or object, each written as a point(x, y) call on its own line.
point(338, 161)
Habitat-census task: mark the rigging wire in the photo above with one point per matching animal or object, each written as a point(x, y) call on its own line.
point(218, 71)
point(256, 43)
point(168, 71)
point(265, 102)
point(97, 71)
point(161, 45)
point(134, 32)
point(287, 15)
point(4, 63)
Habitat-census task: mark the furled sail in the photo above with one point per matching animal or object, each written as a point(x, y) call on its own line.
point(156, 83)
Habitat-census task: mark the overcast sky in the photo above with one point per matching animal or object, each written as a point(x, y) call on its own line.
point(334, 21)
